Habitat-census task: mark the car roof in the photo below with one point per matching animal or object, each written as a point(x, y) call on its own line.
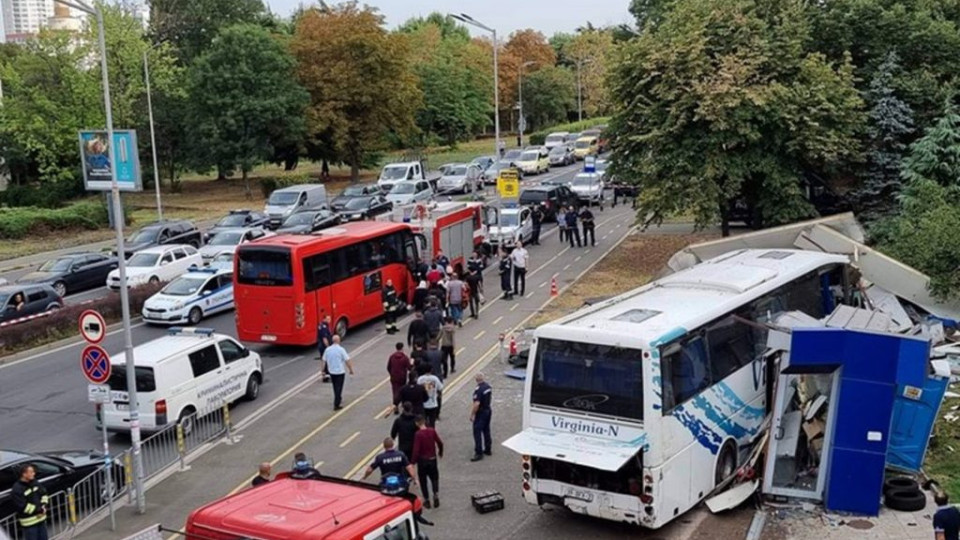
point(163, 249)
point(13, 456)
point(540, 187)
point(206, 273)
point(239, 229)
point(15, 288)
point(155, 352)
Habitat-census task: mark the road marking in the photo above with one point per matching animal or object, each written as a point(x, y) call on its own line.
point(605, 237)
point(281, 364)
point(587, 251)
point(514, 307)
point(578, 258)
point(542, 285)
point(480, 335)
point(384, 413)
point(565, 268)
point(498, 319)
point(460, 350)
point(529, 295)
point(349, 439)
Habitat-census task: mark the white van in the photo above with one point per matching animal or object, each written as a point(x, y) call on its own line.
point(287, 201)
point(555, 139)
point(190, 370)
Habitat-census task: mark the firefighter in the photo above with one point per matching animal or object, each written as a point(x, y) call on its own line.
point(391, 305)
point(30, 501)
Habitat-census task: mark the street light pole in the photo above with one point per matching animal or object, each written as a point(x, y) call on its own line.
point(520, 122)
point(153, 138)
point(580, 89)
point(130, 366)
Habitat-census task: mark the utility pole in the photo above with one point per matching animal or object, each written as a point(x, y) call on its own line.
point(521, 123)
point(153, 138)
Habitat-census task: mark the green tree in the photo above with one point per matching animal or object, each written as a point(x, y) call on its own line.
point(936, 155)
point(191, 25)
point(592, 51)
point(560, 42)
point(360, 79)
point(720, 104)
point(246, 100)
point(548, 95)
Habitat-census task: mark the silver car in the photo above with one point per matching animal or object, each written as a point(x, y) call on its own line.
point(461, 177)
point(562, 154)
point(410, 192)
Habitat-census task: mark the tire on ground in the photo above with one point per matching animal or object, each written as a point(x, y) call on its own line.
point(900, 482)
point(905, 500)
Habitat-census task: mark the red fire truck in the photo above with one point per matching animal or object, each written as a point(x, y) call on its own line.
point(458, 228)
point(328, 509)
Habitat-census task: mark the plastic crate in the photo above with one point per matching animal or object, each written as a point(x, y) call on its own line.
point(487, 501)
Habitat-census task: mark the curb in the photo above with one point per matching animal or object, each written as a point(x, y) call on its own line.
point(65, 342)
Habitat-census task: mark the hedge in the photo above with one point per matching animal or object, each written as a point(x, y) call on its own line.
point(538, 137)
point(63, 322)
point(22, 222)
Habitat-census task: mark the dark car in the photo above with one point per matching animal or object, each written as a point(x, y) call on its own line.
point(161, 233)
point(352, 192)
point(74, 272)
point(309, 221)
point(237, 219)
point(550, 198)
point(25, 299)
point(365, 207)
point(57, 471)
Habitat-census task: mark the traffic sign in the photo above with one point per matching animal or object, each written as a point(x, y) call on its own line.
point(98, 393)
point(92, 326)
point(509, 188)
point(508, 174)
point(95, 364)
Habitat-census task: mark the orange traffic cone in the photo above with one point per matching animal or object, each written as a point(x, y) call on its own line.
point(513, 346)
point(553, 286)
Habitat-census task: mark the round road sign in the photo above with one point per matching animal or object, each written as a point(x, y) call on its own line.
point(92, 326)
point(95, 364)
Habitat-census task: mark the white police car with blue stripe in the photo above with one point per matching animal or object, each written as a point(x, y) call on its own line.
point(191, 297)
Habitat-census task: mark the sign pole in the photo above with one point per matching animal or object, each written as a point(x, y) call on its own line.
point(109, 466)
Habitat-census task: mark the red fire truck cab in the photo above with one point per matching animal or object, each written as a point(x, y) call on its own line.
point(328, 509)
point(458, 228)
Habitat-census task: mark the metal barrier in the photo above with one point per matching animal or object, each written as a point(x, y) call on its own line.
point(171, 445)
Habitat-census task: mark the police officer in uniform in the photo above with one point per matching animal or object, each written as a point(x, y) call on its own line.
point(391, 305)
point(324, 340)
point(480, 415)
point(506, 270)
point(589, 228)
point(391, 462)
point(30, 501)
point(536, 215)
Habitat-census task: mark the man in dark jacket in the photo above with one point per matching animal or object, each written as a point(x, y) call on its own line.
point(418, 332)
point(434, 319)
point(572, 230)
point(415, 394)
point(30, 502)
point(398, 366)
point(506, 271)
point(536, 214)
point(391, 306)
point(589, 230)
point(324, 340)
point(404, 429)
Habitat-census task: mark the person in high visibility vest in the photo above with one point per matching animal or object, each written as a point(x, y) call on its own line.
point(30, 501)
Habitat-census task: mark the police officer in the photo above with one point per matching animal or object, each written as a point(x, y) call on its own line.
point(536, 214)
point(587, 220)
point(303, 469)
point(391, 462)
point(572, 231)
point(506, 270)
point(324, 340)
point(480, 415)
point(391, 305)
point(30, 501)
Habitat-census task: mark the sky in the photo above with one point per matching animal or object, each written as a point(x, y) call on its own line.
point(547, 16)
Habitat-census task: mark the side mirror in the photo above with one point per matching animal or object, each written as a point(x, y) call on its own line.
point(244, 353)
point(75, 268)
point(164, 263)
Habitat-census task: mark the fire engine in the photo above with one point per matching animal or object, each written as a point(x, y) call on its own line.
point(458, 228)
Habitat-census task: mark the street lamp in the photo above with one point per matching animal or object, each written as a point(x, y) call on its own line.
point(520, 122)
point(153, 138)
point(121, 263)
point(580, 88)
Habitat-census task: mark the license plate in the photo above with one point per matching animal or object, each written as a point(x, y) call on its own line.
point(122, 406)
point(579, 495)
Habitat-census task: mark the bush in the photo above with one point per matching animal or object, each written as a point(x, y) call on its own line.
point(21, 222)
point(63, 323)
point(538, 137)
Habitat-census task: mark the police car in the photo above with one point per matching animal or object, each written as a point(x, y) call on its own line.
point(191, 297)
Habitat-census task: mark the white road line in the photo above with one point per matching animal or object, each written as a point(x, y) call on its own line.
point(280, 365)
point(514, 308)
point(498, 319)
point(567, 267)
point(578, 258)
point(349, 439)
point(542, 285)
point(587, 251)
point(460, 350)
point(480, 335)
point(605, 237)
point(529, 295)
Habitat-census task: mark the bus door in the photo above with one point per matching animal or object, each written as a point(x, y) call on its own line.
point(317, 286)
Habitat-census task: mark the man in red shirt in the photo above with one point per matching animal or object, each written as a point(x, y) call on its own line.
point(427, 450)
point(434, 275)
point(398, 366)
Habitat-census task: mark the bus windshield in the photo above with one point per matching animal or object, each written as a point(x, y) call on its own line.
point(599, 379)
point(267, 267)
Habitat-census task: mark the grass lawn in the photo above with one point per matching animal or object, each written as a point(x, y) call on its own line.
point(943, 455)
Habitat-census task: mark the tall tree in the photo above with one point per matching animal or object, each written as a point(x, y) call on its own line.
point(245, 96)
point(719, 104)
point(890, 122)
point(548, 95)
point(936, 155)
point(560, 41)
point(190, 25)
point(521, 47)
point(361, 84)
point(591, 51)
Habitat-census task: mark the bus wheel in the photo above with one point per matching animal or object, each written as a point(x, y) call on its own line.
point(726, 462)
point(341, 328)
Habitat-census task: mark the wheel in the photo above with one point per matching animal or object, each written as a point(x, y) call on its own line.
point(195, 316)
point(187, 420)
point(253, 388)
point(61, 288)
point(900, 482)
point(154, 280)
point(726, 462)
point(340, 328)
point(905, 500)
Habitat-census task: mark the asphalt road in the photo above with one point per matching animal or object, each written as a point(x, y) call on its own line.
point(295, 411)
point(43, 401)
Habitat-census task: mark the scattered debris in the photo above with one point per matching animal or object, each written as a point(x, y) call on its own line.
point(733, 497)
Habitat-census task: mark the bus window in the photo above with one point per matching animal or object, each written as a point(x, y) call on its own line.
point(686, 372)
point(316, 272)
point(268, 267)
point(731, 346)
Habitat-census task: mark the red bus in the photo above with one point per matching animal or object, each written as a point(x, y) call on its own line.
point(284, 285)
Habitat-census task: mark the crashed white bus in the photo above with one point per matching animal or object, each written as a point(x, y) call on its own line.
point(637, 407)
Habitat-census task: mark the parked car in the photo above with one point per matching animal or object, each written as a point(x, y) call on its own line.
point(512, 155)
point(239, 218)
point(533, 162)
point(571, 137)
point(555, 139)
point(352, 192)
point(410, 192)
point(562, 155)
point(493, 172)
point(309, 221)
point(25, 299)
point(596, 133)
point(589, 188)
point(74, 272)
point(156, 264)
point(57, 471)
point(549, 197)
point(585, 146)
point(222, 261)
point(461, 177)
point(286, 201)
point(514, 224)
point(191, 297)
point(484, 162)
point(365, 207)
point(162, 233)
point(405, 171)
point(229, 239)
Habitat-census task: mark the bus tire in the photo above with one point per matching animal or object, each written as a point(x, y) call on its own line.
point(726, 462)
point(340, 328)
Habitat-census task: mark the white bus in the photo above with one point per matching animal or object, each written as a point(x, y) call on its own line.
point(635, 408)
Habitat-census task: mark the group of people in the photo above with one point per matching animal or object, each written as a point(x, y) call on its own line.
point(567, 220)
point(450, 289)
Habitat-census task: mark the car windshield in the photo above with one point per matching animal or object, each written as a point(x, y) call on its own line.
point(584, 143)
point(144, 236)
point(283, 198)
point(504, 165)
point(528, 197)
point(404, 189)
point(226, 238)
point(57, 265)
point(305, 218)
point(530, 156)
point(558, 150)
point(394, 173)
point(554, 139)
point(357, 204)
point(226, 256)
point(233, 220)
point(509, 219)
point(143, 260)
point(354, 191)
point(512, 154)
point(184, 286)
point(583, 181)
point(456, 171)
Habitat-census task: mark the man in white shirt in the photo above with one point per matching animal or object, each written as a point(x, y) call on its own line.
point(337, 362)
point(519, 257)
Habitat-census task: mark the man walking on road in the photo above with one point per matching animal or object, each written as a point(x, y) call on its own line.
point(562, 224)
point(586, 218)
point(30, 502)
point(536, 214)
point(455, 290)
point(324, 340)
point(404, 428)
point(519, 257)
point(427, 450)
point(432, 384)
point(337, 362)
point(506, 269)
point(480, 415)
point(434, 319)
point(414, 394)
point(398, 366)
point(448, 356)
point(572, 231)
point(391, 305)
point(418, 333)
point(474, 281)
point(391, 462)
